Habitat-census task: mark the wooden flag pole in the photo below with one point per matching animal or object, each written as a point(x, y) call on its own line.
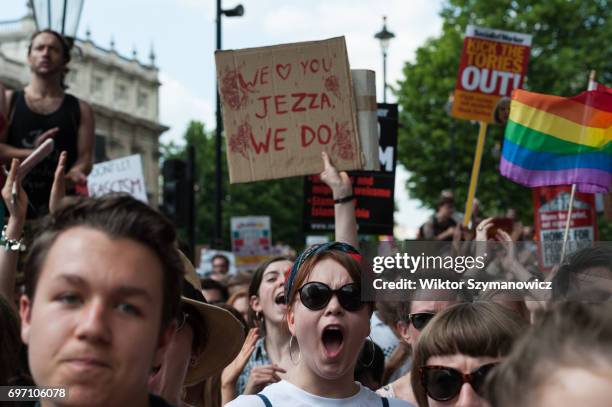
point(482, 132)
point(568, 221)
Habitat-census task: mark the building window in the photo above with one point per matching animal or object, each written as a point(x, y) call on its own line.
point(136, 149)
point(100, 149)
point(143, 100)
point(121, 92)
point(73, 76)
point(97, 84)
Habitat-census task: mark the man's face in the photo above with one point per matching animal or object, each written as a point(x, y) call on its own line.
point(219, 266)
point(408, 332)
point(446, 210)
point(94, 323)
point(46, 56)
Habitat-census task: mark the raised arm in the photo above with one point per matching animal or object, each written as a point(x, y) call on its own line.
point(344, 212)
point(17, 207)
point(58, 188)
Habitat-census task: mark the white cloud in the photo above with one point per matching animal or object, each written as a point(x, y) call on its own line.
point(178, 106)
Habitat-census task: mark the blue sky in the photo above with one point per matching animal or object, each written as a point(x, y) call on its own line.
point(183, 35)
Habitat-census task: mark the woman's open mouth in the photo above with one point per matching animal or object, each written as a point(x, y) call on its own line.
point(280, 299)
point(333, 339)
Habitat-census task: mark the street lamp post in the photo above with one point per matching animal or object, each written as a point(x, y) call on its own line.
point(384, 36)
point(234, 12)
point(58, 15)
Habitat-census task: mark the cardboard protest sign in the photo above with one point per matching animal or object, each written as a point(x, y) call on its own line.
point(285, 104)
point(120, 175)
point(251, 240)
point(550, 210)
point(374, 190)
point(492, 64)
point(364, 86)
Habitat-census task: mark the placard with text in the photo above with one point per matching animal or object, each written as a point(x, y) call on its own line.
point(374, 190)
point(285, 104)
point(120, 175)
point(251, 240)
point(551, 205)
point(492, 64)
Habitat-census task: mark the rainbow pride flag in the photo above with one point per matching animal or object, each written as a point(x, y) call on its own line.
point(553, 140)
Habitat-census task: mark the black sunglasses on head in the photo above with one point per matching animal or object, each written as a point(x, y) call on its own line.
point(420, 319)
point(315, 296)
point(443, 383)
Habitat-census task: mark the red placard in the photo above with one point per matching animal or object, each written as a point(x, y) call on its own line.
point(492, 64)
point(550, 210)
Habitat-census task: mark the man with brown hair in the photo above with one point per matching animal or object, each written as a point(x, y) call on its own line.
point(44, 110)
point(103, 284)
point(441, 225)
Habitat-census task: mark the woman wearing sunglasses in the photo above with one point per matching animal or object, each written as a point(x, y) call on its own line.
point(329, 324)
point(269, 361)
point(414, 316)
point(458, 349)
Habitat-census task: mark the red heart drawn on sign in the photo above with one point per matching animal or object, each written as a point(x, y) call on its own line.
point(283, 70)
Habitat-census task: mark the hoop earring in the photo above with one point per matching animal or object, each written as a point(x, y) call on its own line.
point(373, 352)
point(291, 353)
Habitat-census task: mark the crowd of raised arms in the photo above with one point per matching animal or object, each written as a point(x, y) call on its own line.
point(106, 306)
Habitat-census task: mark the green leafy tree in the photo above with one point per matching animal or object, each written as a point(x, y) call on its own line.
point(570, 38)
point(279, 199)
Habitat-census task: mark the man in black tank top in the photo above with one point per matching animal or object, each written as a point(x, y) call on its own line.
point(44, 110)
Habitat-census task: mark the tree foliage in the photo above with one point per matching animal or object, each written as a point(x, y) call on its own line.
point(570, 38)
point(279, 199)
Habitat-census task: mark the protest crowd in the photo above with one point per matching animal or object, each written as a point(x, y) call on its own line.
point(97, 298)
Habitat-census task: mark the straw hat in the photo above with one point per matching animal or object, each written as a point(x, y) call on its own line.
point(225, 333)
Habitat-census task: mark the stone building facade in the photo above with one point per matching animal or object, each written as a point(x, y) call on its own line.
point(123, 92)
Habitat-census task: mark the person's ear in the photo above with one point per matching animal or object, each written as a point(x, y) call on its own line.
point(291, 320)
point(165, 338)
point(403, 329)
point(254, 303)
point(25, 312)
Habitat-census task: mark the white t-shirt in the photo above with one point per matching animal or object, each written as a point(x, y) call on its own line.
point(285, 394)
point(382, 335)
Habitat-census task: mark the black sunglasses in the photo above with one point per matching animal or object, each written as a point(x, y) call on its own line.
point(443, 383)
point(420, 319)
point(316, 296)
